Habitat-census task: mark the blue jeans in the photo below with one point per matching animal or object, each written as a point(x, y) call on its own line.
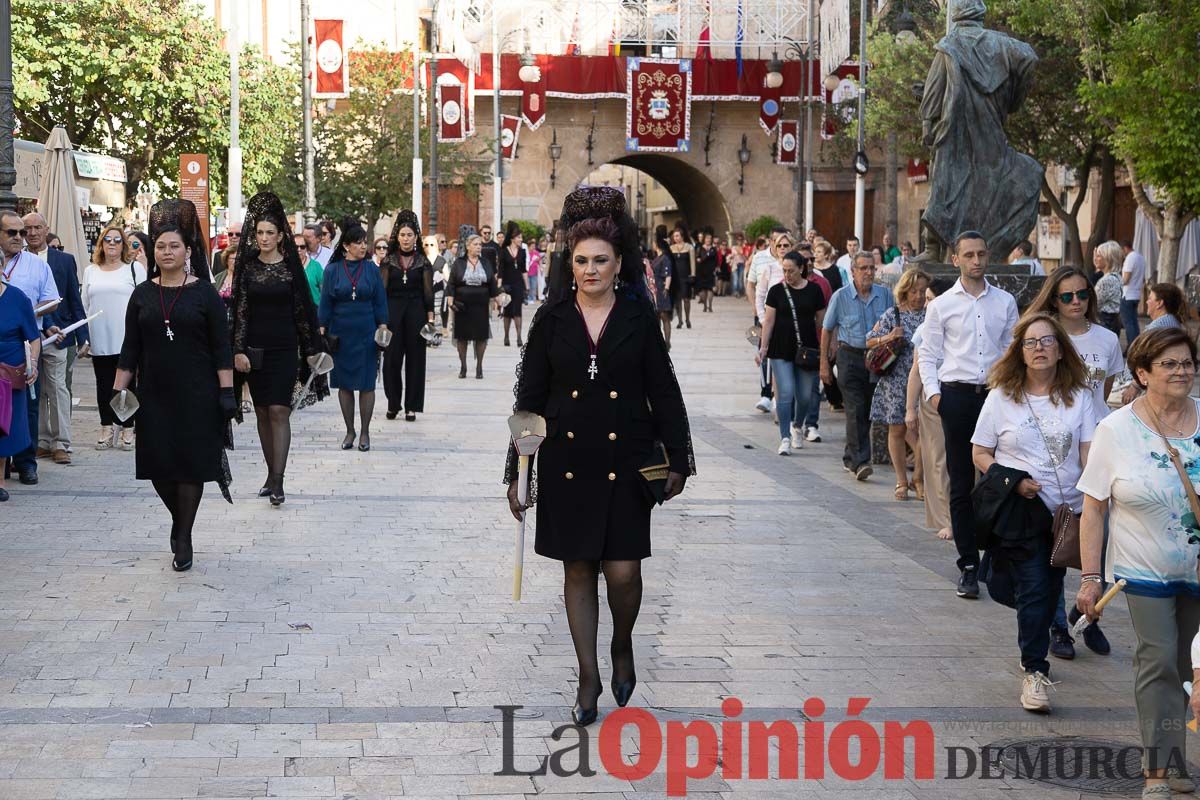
point(532, 294)
point(1038, 587)
point(739, 280)
point(813, 418)
point(1129, 319)
point(26, 460)
point(795, 387)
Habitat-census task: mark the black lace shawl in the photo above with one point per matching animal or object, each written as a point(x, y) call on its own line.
point(266, 207)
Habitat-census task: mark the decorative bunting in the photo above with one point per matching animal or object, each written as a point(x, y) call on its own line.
point(533, 98)
point(789, 142)
point(510, 128)
point(769, 107)
point(658, 110)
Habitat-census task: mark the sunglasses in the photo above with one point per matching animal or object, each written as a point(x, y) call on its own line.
point(1082, 294)
point(58, 247)
point(113, 240)
point(135, 244)
point(15, 231)
point(380, 247)
point(233, 235)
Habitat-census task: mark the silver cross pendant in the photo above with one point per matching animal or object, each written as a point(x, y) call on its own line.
point(170, 333)
point(592, 369)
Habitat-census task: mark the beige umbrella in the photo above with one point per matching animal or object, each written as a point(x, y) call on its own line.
point(59, 202)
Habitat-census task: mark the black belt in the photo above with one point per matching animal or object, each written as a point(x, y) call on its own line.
point(977, 388)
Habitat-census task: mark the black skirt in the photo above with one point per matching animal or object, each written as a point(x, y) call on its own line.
point(274, 384)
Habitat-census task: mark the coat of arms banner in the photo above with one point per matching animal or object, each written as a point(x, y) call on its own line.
point(658, 111)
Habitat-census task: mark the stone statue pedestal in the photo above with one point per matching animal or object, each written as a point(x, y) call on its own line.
point(1014, 279)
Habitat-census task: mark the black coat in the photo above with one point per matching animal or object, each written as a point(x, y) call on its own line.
point(1005, 520)
point(591, 501)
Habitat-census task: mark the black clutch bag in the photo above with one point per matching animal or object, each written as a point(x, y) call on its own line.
point(654, 473)
point(255, 355)
point(332, 343)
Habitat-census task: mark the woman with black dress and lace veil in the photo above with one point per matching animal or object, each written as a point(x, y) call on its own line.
point(177, 342)
point(596, 367)
point(511, 274)
point(408, 281)
point(275, 332)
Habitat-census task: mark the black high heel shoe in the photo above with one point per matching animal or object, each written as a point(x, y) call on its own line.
point(277, 495)
point(364, 443)
point(583, 716)
point(174, 539)
point(180, 563)
point(265, 491)
point(348, 442)
point(623, 690)
point(462, 372)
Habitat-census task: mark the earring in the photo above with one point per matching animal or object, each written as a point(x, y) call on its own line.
point(573, 286)
point(616, 284)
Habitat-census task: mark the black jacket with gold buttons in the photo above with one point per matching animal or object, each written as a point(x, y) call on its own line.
point(600, 429)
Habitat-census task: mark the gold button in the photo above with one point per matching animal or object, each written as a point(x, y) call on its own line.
point(570, 434)
point(574, 394)
point(612, 437)
point(613, 395)
point(570, 476)
point(612, 476)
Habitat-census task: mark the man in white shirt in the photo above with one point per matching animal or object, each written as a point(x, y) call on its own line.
point(847, 260)
point(966, 331)
point(1022, 255)
point(316, 250)
point(1133, 276)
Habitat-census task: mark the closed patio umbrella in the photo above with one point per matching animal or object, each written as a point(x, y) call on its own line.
point(59, 203)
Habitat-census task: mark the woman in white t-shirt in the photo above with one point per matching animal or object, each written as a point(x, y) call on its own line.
point(1038, 417)
point(1069, 296)
point(1154, 538)
point(107, 284)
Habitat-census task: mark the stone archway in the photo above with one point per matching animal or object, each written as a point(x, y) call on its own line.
point(700, 201)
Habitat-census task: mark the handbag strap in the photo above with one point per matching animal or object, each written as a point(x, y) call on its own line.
point(1193, 500)
point(795, 318)
point(1038, 423)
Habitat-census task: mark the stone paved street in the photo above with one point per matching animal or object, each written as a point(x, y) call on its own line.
point(354, 643)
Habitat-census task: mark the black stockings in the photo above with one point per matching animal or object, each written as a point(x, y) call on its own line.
point(366, 408)
point(182, 499)
point(624, 579)
point(275, 434)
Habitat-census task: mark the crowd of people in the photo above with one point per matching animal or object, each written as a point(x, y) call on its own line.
point(1007, 424)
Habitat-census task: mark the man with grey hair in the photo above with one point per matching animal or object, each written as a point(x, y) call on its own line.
point(53, 438)
point(314, 248)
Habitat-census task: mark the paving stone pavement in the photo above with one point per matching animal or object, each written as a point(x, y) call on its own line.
point(355, 642)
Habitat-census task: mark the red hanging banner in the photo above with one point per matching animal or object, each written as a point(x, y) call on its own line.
point(331, 77)
point(533, 98)
point(789, 142)
point(510, 128)
point(769, 108)
point(454, 110)
point(658, 110)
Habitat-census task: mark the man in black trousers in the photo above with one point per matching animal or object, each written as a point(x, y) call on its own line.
point(966, 331)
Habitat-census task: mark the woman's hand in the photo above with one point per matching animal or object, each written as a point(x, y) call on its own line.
point(241, 363)
point(514, 504)
point(912, 421)
point(760, 355)
point(1085, 600)
point(1028, 488)
point(675, 483)
point(85, 350)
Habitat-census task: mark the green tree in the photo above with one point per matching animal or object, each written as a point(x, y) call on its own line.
point(364, 147)
point(1144, 87)
point(761, 227)
point(144, 82)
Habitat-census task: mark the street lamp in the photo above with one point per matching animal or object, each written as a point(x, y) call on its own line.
point(743, 154)
point(774, 72)
point(555, 155)
point(905, 27)
point(832, 82)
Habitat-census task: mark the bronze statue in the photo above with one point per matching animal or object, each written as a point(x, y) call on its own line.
point(978, 181)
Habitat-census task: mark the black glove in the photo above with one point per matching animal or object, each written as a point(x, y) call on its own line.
point(229, 404)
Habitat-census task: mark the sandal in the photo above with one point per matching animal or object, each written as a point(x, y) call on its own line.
point(901, 491)
point(127, 439)
point(918, 488)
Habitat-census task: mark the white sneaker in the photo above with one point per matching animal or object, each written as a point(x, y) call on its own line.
point(797, 437)
point(763, 405)
point(811, 434)
point(1033, 692)
point(785, 445)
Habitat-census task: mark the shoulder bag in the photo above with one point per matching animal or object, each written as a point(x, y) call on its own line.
point(882, 357)
point(1064, 547)
point(808, 358)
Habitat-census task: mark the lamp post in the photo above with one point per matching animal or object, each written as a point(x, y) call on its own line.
point(235, 106)
point(861, 165)
point(8, 167)
point(904, 28)
point(498, 185)
point(808, 120)
point(310, 188)
point(435, 120)
point(743, 155)
point(555, 155)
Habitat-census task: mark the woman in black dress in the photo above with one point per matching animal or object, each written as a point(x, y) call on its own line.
point(596, 367)
point(512, 269)
point(408, 279)
point(177, 341)
point(470, 291)
point(275, 332)
point(706, 271)
point(682, 279)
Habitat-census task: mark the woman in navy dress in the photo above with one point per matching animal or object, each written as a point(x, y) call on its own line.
point(17, 326)
point(353, 307)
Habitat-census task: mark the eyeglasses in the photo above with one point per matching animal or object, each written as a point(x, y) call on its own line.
point(1082, 294)
point(14, 232)
point(234, 235)
point(113, 240)
point(1175, 365)
point(1045, 341)
point(380, 248)
point(58, 247)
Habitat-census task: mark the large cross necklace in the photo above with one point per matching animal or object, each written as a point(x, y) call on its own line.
point(594, 344)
